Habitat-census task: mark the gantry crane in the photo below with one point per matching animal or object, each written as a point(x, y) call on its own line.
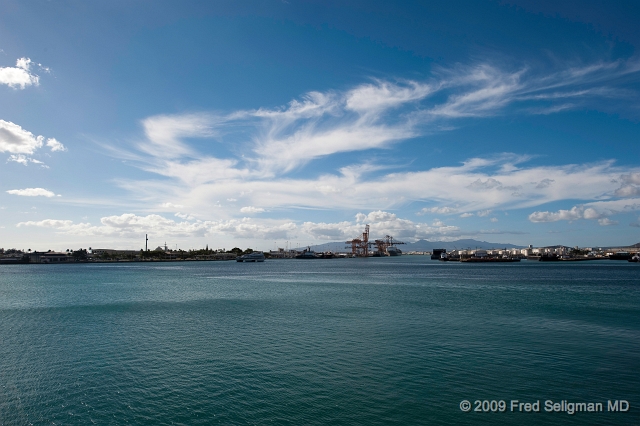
point(383, 245)
point(360, 246)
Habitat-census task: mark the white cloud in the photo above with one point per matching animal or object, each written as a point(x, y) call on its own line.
point(172, 206)
point(251, 209)
point(381, 223)
point(19, 76)
point(48, 223)
point(494, 219)
point(628, 191)
point(268, 143)
point(544, 183)
point(356, 191)
point(126, 225)
point(55, 145)
point(185, 216)
point(16, 140)
point(32, 192)
point(164, 134)
point(437, 210)
point(382, 95)
point(369, 116)
point(21, 143)
point(590, 211)
point(546, 216)
point(329, 231)
point(631, 178)
point(129, 225)
point(24, 160)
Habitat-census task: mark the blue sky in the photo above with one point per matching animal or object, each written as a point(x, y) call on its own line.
point(258, 123)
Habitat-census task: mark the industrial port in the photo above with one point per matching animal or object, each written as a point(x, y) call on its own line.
point(360, 247)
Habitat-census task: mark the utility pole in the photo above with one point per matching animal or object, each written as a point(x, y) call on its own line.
point(146, 241)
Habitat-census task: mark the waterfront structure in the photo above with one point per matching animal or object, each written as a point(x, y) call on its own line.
point(48, 257)
point(114, 252)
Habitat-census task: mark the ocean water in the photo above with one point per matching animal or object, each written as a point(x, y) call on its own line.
point(342, 342)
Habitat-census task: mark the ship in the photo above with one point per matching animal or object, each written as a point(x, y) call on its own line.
point(490, 259)
point(256, 256)
point(621, 255)
point(394, 251)
point(435, 255)
point(307, 254)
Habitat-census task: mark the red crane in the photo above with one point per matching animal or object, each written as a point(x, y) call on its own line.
point(360, 246)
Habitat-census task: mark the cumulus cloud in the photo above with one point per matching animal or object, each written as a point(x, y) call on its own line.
point(381, 224)
point(251, 209)
point(20, 76)
point(172, 206)
point(628, 191)
point(55, 145)
point(24, 160)
point(125, 225)
point(607, 222)
point(466, 215)
point(484, 213)
point(630, 185)
point(329, 231)
point(546, 216)
point(437, 210)
point(631, 178)
point(21, 143)
point(130, 225)
point(16, 140)
point(32, 192)
point(599, 210)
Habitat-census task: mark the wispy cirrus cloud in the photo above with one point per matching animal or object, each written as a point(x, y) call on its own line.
point(261, 147)
point(516, 186)
point(275, 141)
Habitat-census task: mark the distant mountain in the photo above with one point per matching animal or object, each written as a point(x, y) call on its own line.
point(424, 245)
point(421, 245)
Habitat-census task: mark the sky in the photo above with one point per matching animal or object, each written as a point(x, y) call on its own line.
point(278, 123)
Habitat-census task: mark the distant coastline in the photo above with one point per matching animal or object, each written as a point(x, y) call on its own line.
point(455, 250)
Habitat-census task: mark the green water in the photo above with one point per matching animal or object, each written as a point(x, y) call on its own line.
point(342, 342)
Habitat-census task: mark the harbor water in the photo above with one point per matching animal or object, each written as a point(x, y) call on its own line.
point(376, 341)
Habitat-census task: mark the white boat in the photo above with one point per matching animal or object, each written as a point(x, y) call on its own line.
point(256, 256)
